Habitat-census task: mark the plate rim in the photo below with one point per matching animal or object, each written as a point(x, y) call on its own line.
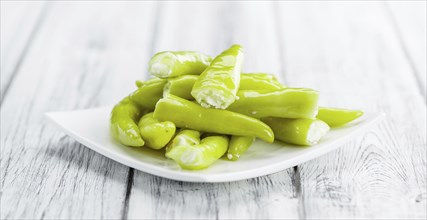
point(200, 177)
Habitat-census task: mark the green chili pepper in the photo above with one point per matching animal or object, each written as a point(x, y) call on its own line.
point(123, 126)
point(139, 83)
point(284, 103)
point(218, 84)
point(259, 81)
point(148, 93)
point(156, 134)
point(299, 131)
point(335, 117)
point(238, 145)
point(194, 154)
point(180, 86)
point(171, 64)
point(187, 114)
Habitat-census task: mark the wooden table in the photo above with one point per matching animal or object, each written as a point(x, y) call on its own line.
point(74, 55)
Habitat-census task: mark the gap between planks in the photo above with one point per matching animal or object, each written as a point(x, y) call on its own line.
point(127, 195)
point(296, 177)
point(82, 77)
point(131, 171)
point(296, 182)
point(40, 19)
point(212, 200)
point(404, 48)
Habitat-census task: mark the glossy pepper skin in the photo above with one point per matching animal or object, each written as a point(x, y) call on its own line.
point(180, 86)
point(218, 84)
point(123, 125)
point(187, 114)
point(191, 153)
point(300, 131)
point(155, 134)
point(148, 93)
point(238, 145)
point(259, 81)
point(336, 117)
point(171, 64)
point(284, 103)
point(139, 83)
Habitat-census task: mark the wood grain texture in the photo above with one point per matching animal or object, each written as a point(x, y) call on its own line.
point(212, 27)
point(20, 21)
point(410, 23)
point(86, 54)
point(350, 52)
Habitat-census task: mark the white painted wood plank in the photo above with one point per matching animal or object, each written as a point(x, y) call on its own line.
point(410, 20)
point(19, 21)
point(350, 52)
point(212, 27)
point(86, 54)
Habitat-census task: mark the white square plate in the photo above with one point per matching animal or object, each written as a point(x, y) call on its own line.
point(91, 128)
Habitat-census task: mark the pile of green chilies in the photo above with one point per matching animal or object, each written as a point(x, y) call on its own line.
point(217, 109)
